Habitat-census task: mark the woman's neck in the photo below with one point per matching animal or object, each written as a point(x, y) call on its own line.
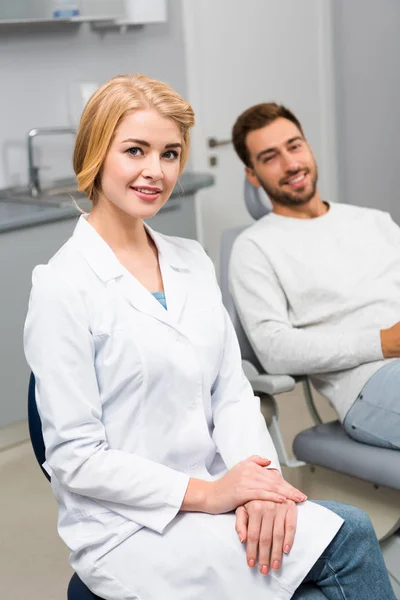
point(119, 230)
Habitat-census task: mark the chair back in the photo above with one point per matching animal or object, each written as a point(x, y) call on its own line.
point(257, 202)
point(35, 426)
point(227, 240)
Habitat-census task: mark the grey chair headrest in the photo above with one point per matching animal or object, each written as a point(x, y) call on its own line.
point(257, 202)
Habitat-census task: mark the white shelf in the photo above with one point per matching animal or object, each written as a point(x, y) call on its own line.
point(77, 20)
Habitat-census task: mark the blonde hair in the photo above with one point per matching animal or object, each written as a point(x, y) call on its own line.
point(104, 112)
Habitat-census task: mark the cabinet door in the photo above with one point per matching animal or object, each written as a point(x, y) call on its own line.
point(43, 9)
point(113, 9)
point(25, 9)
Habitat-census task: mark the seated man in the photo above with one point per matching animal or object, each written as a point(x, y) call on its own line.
point(317, 285)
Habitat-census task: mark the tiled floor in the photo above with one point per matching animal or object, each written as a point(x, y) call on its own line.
point(33, 560)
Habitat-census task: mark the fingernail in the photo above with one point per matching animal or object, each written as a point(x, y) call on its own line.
point(241, 538)
point(286, 549)
point(252, 563)
point(301, 498)
point(264, 570)
point(275, 565)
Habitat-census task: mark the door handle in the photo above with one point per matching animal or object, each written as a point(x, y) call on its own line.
point(214, 143)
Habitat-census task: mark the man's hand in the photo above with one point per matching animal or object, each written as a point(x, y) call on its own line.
point(268, 528)
point(390, 340)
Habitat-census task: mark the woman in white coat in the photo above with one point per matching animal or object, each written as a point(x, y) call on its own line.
point(153, 436)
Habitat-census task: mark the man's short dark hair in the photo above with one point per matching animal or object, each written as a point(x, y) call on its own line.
point(257, 117)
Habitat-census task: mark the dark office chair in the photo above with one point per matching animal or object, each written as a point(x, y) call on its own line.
point(77, 590)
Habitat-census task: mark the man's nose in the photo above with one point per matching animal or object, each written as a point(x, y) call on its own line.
point(290, 163)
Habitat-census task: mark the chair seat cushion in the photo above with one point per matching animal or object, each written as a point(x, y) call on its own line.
point(328, 445)
point(77, 590)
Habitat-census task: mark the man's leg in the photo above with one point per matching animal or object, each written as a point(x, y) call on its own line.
point(352, 566)
point(374, 417)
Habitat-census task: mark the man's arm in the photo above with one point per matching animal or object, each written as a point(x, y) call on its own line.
point(280, 347)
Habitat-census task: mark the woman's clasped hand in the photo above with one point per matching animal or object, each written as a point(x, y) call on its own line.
point(265, 505)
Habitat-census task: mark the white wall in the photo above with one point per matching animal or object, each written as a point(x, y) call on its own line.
point(367, 50)
point(242, 53)
point(38, 63)
point(36, 66)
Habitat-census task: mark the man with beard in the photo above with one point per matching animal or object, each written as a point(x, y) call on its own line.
point(317, 285)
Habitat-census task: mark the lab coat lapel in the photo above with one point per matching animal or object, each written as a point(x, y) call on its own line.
point(175, 287)
point(175, 275)
point(141, 299)
point(106, 265)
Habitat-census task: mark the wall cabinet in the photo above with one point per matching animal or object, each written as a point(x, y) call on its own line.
point(41, 10)
point(135, 12)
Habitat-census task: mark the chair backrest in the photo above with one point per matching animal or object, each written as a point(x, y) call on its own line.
point(227, 240)
point(35, 426)
point(257, 202)
point(258, 205)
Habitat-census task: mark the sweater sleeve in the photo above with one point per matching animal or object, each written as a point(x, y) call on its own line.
point(280, 347)
point(60, 350)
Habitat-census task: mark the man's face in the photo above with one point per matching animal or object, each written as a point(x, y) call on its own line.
point(282, 163)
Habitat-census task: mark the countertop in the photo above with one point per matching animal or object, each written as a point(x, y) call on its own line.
point(18, 216)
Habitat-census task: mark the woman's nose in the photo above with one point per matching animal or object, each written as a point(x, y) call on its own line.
point(153, 169)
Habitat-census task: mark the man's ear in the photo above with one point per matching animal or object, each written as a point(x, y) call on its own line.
point(252, 177)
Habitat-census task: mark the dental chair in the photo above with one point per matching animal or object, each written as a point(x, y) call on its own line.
point(326, 463)
point(77, 590)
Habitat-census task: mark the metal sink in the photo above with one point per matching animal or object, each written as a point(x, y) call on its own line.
point(61, 193)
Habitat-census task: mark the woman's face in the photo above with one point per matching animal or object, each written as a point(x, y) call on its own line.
point(142, 164)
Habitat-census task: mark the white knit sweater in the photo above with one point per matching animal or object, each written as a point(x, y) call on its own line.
point(313, 295)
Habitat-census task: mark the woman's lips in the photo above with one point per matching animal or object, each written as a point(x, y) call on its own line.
point(147, 194)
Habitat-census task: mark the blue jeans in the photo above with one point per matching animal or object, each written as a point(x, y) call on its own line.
point(352, 566)
point(374, 417)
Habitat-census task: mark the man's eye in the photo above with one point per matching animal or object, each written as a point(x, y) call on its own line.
point(134, 151)
point(268, 159)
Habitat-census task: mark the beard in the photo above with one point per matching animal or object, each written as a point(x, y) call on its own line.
point(295, 198)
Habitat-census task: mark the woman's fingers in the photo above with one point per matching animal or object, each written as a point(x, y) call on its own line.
point(278, 536)
point(290, 527)
point(291, 492)
point(253, 535)
point(260, 460)
point(265, 541)
point(275, 482)
point(241, 523)
point(262, 494)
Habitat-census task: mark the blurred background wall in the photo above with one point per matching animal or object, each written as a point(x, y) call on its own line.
point(367, 83)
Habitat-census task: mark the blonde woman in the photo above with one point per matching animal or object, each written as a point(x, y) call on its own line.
point(153, 436)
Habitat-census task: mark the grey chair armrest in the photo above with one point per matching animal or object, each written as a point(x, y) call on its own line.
point(266, 386)
point(272, 384)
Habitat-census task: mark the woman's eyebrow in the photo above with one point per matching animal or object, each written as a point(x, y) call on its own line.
point(144, 143)
point(141, 142)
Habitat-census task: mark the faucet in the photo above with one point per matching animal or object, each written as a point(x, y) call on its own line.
point(34, 181)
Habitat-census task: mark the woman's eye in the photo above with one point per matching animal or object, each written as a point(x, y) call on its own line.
point(134, 151)
point(171, 154)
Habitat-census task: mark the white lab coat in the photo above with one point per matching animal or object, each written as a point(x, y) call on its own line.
point(135, 400)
